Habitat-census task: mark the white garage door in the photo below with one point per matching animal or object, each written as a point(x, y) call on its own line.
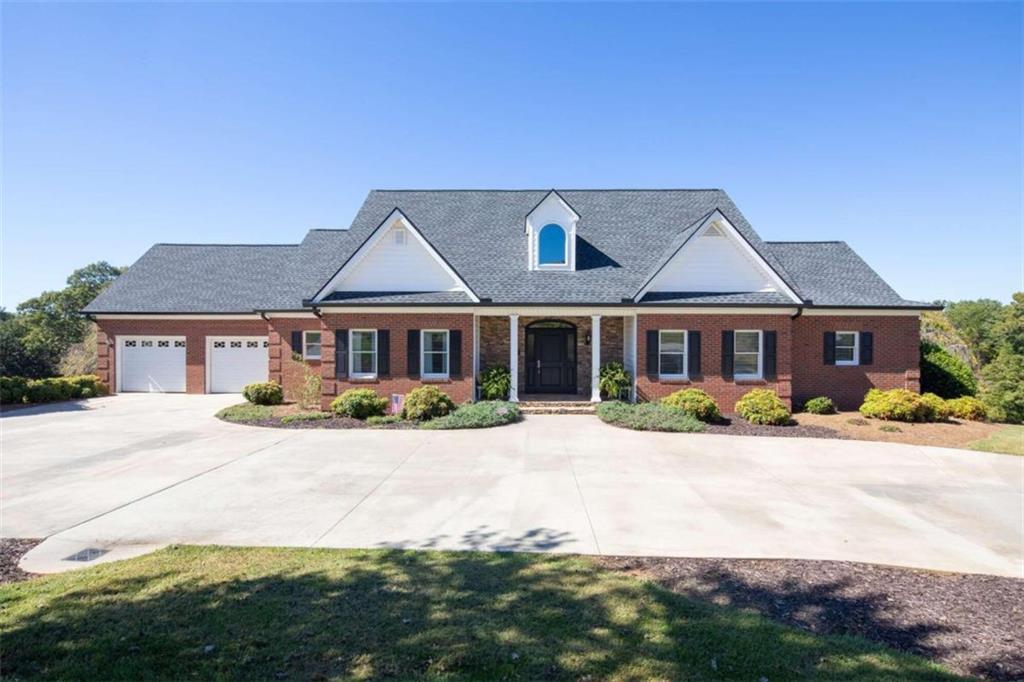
point(235, 361)
point(152, 364)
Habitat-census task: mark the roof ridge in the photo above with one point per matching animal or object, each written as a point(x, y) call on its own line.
point(218, 244)
point(561, 189)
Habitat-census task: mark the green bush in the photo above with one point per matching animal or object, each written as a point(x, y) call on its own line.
point(263, 393)
point(1004, 388)
point(426, 402)
point(481, 415)
point(21, 390)
point(762, 406)
point(244, 413)
point(359, 403)
point(495, 383)
point(939, 409)
point(304, 417)
point(695, 403)
point(820, 405)
point(945, 374)
point(13, 390)
point(648, 417)
point(968, 407)
point(897, 404)
point(383, 420)
point(613, 379)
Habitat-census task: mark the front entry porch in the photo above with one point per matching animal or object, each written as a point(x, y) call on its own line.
point(554, 358)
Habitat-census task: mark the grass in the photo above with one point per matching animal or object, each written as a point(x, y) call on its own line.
point(648, 417)
point(305, 417)
point(481, 415)
point(246, 412)
point(262, 613)
point(1008, 440)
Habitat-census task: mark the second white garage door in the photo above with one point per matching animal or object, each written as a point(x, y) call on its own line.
point(234, 361)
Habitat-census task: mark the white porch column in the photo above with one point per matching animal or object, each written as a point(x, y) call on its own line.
point(513, 356)
point(476, 354)
point(595, 358)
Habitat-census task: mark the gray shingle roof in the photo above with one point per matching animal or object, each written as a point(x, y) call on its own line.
point(716, 298)
point(399, 297)
point(623, 236)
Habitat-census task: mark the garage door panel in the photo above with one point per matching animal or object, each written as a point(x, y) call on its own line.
point(236, 361)
point(153, 364)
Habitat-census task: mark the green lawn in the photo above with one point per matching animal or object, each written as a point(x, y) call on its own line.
point(227, 613)
point(1009, 440)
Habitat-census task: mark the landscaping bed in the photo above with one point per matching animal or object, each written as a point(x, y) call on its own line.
point(954, 433)
point(11, 551)
point(973, 624)
point(485, 414)
point(274, 613)
point(737, 426)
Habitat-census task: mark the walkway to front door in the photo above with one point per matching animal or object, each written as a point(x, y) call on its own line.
point(551, 357)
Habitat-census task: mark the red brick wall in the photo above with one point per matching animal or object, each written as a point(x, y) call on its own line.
point(725, 393)
point(459, 389)
point(283, 368)
point(194, 331)
point(896, 358)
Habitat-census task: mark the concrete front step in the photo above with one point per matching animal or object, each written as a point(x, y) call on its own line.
point(553, 407)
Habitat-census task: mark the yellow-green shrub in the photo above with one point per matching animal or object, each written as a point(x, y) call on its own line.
point(897, 404)
point(263, 393)
point(762, 406)
point(940, 410)
point(426, 402)
point(695, 403)
point(359, 403)
point(967, 407)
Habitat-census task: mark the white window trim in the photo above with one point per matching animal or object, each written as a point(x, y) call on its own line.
point(565, 249)
point(305, 343)
point(760, 354)
point(351, 351)
point(685, 354)
point(856, 350)
point(447, 353)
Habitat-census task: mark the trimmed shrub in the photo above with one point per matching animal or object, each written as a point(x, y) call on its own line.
point(613, 379)
point(263, 393)
point(426, 402)
point(21, 390)
point(762, 406)
point(695, 403)
point(1004, 388)
point(481, 415)
point(648, 417)
point(359, 403)
point(939, 409)
point(968, 407)
point(304, 417)
point(495, 383)
point(945, 374)
point(898, 404)
point(820, 405)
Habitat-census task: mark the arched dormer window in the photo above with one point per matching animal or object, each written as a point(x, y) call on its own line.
point(551, 243)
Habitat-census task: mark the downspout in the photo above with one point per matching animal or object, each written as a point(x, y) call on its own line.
point(798, 313)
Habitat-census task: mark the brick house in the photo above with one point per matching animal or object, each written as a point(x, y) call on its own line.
point(437, 286)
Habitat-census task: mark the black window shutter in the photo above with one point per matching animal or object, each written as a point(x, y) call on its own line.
point(867, 348)
point(727, 349)
point(455, 353)
point(652, 354)
point(383, 353)
point(693, 355)
point(769, 363)
point(340, 353)
point(297, 342)
point(829, 348)
point(412, 354)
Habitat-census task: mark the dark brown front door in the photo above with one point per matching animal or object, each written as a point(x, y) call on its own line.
point(551, 360)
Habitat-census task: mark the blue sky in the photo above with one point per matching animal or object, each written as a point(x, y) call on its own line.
point(894, 127)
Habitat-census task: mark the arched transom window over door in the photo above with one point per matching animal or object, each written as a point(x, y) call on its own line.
point(551, 245)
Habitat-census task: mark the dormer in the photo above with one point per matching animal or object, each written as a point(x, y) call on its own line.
point(551, 234)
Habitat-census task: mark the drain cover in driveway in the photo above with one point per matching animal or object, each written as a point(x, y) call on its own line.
point(87, 554)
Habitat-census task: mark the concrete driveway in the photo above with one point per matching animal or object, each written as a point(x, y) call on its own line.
point(134, 472)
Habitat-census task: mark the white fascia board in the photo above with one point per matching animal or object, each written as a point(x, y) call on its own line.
point(717, 218)
point(180, 316)
point(290, 315)
point(861, 312)
point(563, 202)
point(554, 311)
point(378, 234)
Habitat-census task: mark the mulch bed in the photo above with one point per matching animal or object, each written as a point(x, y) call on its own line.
point(11, 551)
point(737, 426)
point(330, 423)
point(972, 624)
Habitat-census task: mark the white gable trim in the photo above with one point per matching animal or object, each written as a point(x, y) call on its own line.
point(396, 216)
point(718, 219)
point(554, 209)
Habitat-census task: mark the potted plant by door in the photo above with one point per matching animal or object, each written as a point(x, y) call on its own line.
point(614, 381)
